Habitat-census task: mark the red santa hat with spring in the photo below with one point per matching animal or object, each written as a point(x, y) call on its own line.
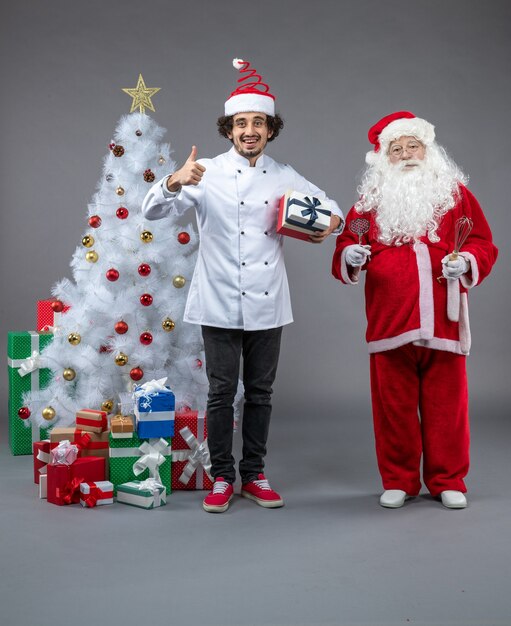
point(394, 126)
point(252, 94)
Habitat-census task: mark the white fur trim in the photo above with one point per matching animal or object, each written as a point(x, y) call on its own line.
point(245, 102)
point(453, 300)
point(372, 157)
point(414, 127)
point(447, 345)
point(426, 305)
point(238, 63)
point(464, 326)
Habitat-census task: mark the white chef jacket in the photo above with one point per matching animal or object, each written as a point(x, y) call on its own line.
point(240, 278)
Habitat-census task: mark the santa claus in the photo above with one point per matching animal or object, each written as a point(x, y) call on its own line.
point(423, 240)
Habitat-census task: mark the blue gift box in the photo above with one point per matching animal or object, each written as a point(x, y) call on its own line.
point(155, 414)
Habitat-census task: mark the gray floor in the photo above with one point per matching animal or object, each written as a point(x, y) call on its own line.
point(330, 556)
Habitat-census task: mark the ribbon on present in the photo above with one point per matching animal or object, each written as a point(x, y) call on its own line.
point(65, 453)
point(96, 494)
point(151, 459)
point(43, 457)
point(310, 210)
point(30, 364)
point(198, 455)
point(153, 485)
point(147, 390)
point(68, 491)
point(33, 371)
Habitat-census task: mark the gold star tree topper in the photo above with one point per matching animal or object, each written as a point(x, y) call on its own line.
point(141, 96)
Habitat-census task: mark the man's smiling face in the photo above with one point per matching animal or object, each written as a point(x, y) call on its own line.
point(250, 134)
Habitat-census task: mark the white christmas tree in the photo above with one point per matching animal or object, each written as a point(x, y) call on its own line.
point(131, 277)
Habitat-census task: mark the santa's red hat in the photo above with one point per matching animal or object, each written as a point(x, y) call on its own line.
point(251, 95)
point(394, 126)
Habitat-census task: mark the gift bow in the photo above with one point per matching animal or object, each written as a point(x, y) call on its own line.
point(95, 494)
point(152, 458)
point(43, 457)
point(145, 391)
point(153, 485)
point(311, 209)
point(30, 364)
point(197, 455)
point(68, 491)
point(64, 454)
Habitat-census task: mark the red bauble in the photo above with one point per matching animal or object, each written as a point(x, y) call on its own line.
point(24, 413)
point(144, 269)
point(198, 363)
point(146, 299)
point(57, 306)
point(105, 349)
point(121, 327)
point(112, 274)
point(183, 237)
point(136, 373)
point(94, 221)
point(122, 213)
point(146, 338)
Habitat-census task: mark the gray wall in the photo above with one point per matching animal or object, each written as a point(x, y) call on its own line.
point(335, 66)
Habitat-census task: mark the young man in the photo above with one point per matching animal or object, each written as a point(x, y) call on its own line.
point(413, 212)
point(239, 292)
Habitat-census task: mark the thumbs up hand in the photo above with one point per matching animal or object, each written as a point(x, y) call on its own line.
point(190, 173)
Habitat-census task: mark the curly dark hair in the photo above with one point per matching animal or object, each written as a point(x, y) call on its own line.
point(275, 123)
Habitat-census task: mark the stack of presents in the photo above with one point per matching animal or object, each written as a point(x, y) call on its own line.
point(136, 458)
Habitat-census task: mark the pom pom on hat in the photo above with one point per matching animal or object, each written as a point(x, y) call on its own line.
point(252, 94)
point(395, 125)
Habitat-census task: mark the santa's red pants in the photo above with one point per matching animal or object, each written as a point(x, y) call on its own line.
point(411, 381)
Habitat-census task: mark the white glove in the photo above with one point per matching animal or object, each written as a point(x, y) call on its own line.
point(356, 255)
point(454, 269)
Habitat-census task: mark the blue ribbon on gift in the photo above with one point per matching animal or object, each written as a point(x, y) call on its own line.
point(310, 210)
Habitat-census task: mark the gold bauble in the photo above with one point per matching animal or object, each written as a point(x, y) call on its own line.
point(48, 413)
point(179, 281)
point(121, 359)
point(88, 241)
point(74, 339)
point(146, 236)
point(119, 191)
point(69, 373)
point(168, 324)
point(107, 406)
point(161, 160)
point(92, 256)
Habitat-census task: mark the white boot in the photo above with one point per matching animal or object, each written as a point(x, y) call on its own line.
point(453, 499)
point(393, 498)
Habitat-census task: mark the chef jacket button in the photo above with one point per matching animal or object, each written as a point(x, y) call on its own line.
point(266, 202)
point(242, 293)
point(265, 232)
point(242, 232)
point(242, 202)
point(264, 171)
point(239, 171)
point(265, 293)
point(266, 262)
point(243, 262)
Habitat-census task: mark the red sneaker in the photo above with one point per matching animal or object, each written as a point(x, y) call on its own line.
point(260, 491)
point(218, 499)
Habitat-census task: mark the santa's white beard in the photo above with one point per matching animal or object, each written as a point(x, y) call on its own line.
point(410, 203)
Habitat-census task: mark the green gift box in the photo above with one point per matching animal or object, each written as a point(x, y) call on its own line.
point(148, 494)
point(23, 348)
point(139, 459)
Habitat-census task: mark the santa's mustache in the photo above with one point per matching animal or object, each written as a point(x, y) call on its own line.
point(404, 165)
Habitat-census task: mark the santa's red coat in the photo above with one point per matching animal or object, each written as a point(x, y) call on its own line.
point(405, 303)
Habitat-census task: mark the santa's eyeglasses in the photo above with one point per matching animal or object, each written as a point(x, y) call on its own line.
point(398, 150)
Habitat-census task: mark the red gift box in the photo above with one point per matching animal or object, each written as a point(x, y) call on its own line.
point(63, 481)
point(46, 316)
point(191, 456)
point(41, 450)
point(92, 421)
point(89, 444)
